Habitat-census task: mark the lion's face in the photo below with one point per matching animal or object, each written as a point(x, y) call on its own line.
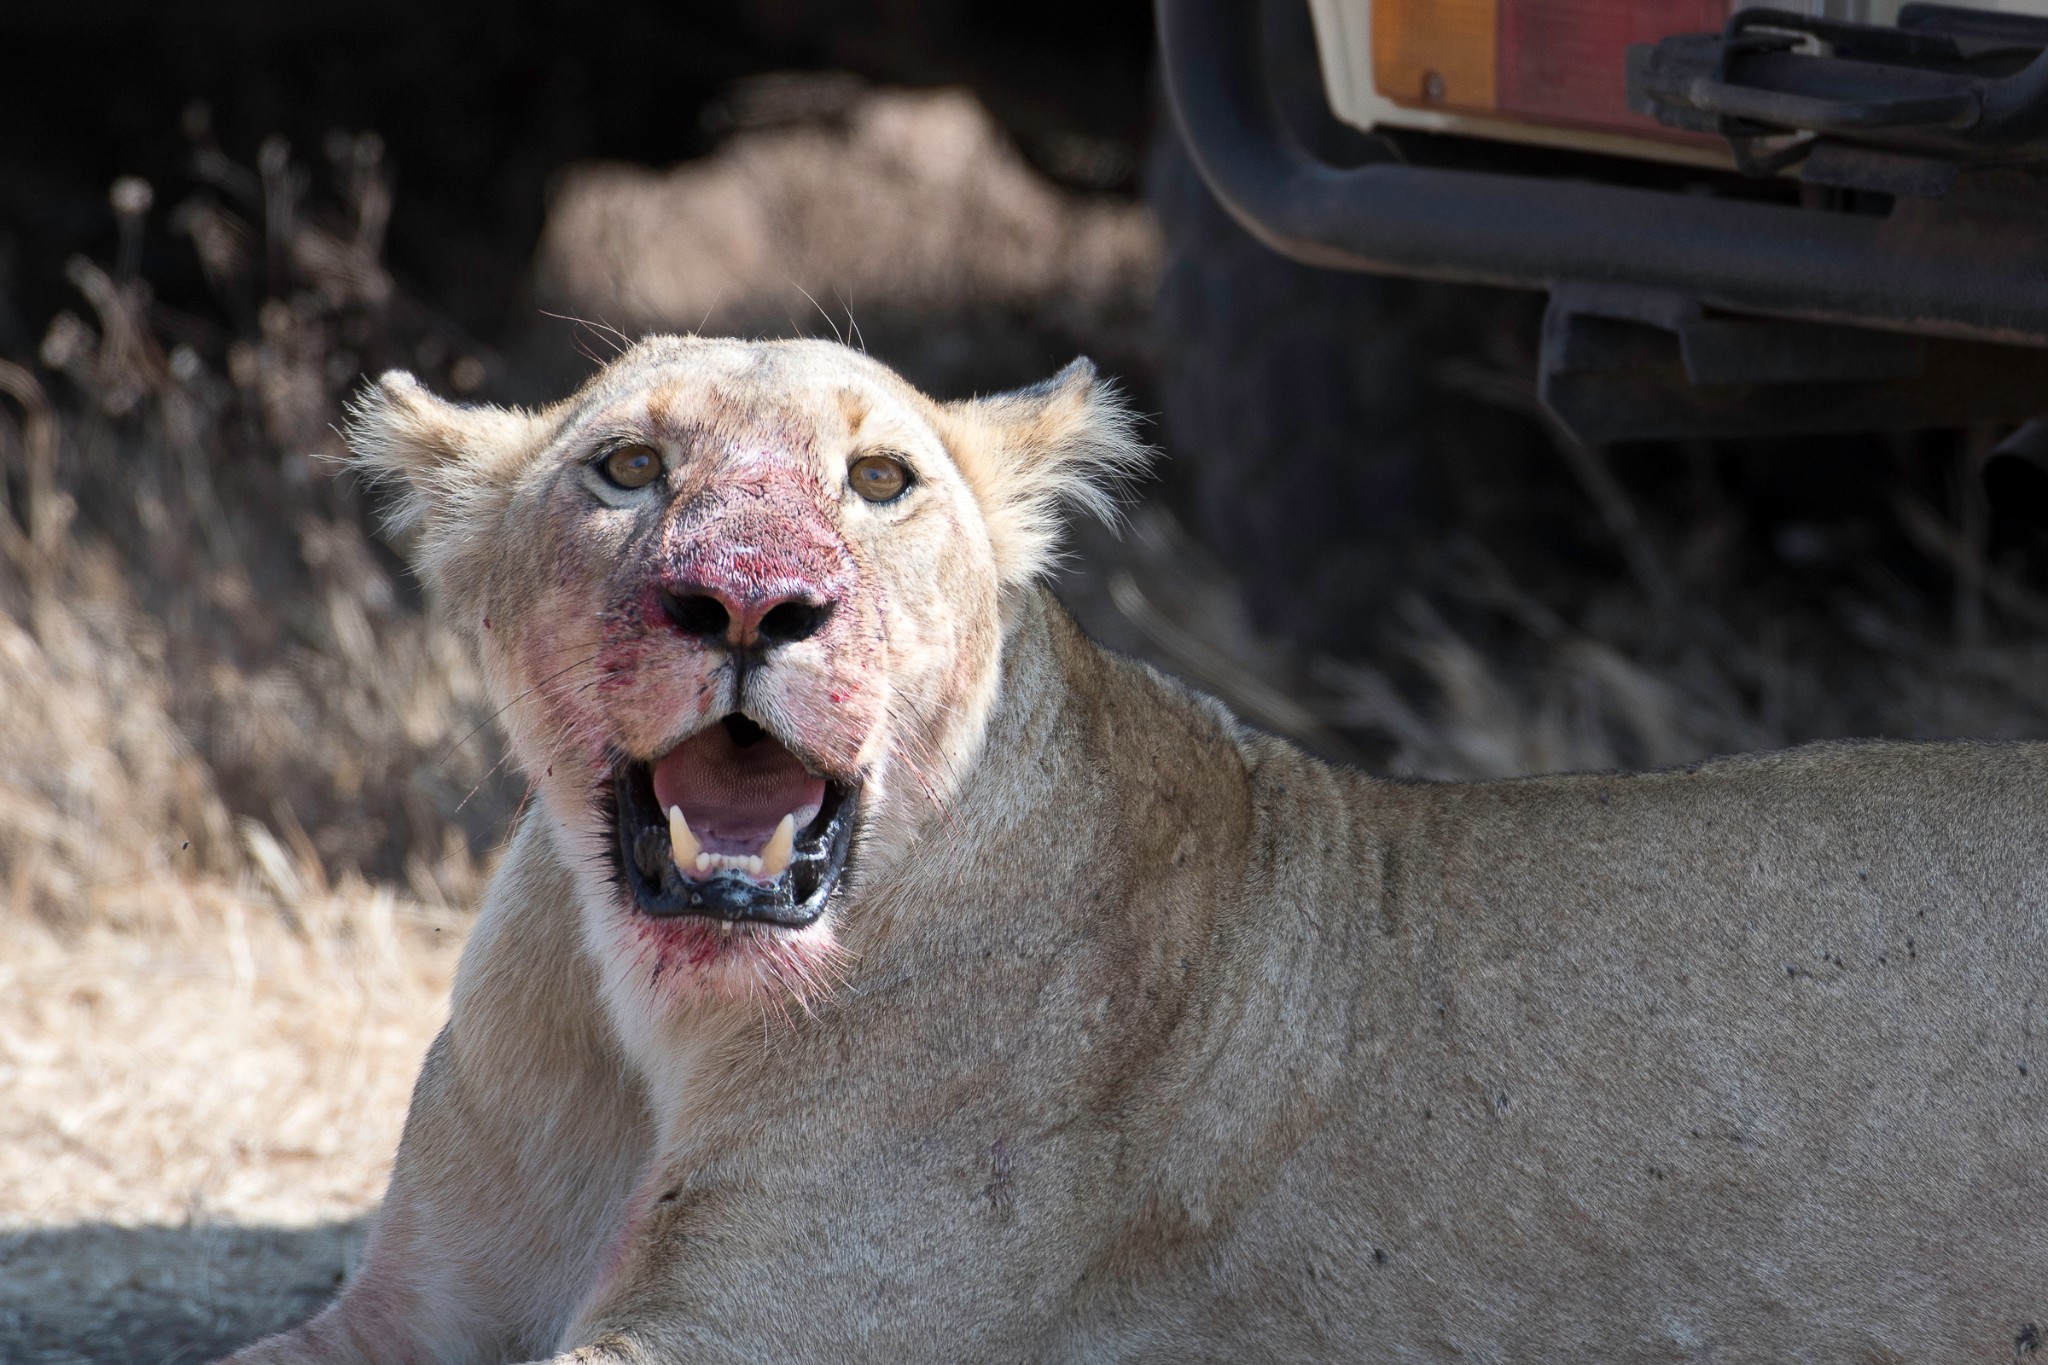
point(743, 606)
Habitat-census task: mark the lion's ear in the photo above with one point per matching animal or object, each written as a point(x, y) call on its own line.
point(438, 453)
point(453, 466)
point(1031, 455)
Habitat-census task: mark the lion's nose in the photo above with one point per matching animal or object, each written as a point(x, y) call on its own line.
point(742, 619)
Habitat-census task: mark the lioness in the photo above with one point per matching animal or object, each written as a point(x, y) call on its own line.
point(884, 971)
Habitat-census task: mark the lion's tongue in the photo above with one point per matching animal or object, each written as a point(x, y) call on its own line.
point(734, 796)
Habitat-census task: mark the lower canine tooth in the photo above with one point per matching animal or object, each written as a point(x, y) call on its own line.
point(775, 857)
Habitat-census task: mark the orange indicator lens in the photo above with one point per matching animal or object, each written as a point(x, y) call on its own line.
point(1435, 53)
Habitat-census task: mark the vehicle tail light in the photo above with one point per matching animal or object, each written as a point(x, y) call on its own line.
point(1548, 61)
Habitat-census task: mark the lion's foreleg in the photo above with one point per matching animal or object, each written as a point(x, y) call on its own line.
point(521, 1147)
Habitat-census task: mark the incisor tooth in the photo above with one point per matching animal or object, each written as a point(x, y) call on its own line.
point(775, 856)
point(682, 845)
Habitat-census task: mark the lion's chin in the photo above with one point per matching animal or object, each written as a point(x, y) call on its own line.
point(730, 829)
point(686, 962)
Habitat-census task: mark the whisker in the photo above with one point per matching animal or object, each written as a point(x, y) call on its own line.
point(619, 340)
point(489, 773)
point(853, 327)
point(525, 799)
point(449, 752)
point(917, 758)
point(830, 321)
point(716, 299)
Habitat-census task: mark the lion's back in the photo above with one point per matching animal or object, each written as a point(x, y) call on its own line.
point(1744, 1057)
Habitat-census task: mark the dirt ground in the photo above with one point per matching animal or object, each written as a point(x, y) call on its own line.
point(249, 787)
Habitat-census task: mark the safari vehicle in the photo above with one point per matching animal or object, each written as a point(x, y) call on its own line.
point(1748, 220)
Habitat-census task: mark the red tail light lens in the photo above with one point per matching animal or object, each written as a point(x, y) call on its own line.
point(1566, 61)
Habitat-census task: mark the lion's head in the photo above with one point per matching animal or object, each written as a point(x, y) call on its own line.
point(743, 606)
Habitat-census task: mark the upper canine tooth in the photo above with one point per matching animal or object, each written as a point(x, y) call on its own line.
point(781, 844)
point(682, 845)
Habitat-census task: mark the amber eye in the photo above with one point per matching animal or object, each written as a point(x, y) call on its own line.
point(879, 478)
point(633, 466)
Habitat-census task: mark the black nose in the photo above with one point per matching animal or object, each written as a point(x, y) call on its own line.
point(795, 619)
point(695, 614)
point(704, 616)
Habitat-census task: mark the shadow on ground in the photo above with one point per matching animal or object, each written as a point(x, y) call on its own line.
point(99, 1294)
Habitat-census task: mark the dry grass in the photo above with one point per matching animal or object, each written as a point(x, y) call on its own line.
point(222, 710)
point(1624, 681)
point(204, 1093)
point(1701, 646)
point(213, 1051)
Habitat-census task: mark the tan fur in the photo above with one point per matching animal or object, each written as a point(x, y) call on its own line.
point(1153, 1038)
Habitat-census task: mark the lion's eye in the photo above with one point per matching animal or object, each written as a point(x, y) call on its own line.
point(633, 466)
point(879, 478)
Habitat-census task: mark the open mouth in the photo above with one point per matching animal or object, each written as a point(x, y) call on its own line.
point(732, 826)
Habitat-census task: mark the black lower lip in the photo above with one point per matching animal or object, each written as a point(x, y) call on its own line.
point(794, 900)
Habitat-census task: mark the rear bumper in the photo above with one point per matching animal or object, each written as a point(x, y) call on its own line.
point(1973, 265)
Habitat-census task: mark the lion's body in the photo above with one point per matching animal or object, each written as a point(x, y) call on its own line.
point(1166, 1041)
